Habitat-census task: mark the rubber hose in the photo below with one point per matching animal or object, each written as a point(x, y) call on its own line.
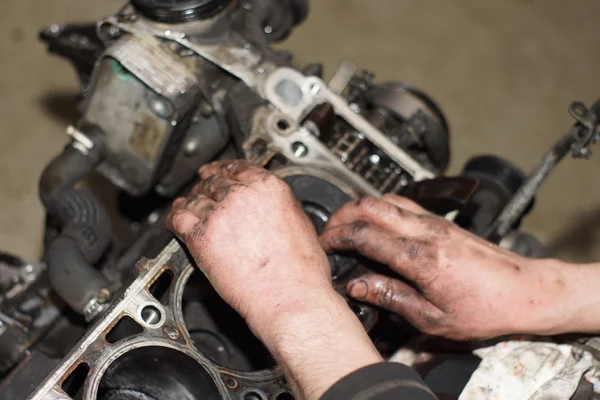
point(71, 275)
point(84, 224)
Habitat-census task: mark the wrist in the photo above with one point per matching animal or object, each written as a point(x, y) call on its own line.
point(316, 340)
point(273, 314)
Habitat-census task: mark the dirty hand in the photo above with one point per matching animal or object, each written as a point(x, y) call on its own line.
point(253, 241)
point(249, 235)
point(462, 287)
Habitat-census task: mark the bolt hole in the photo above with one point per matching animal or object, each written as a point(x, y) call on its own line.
point(231, 383)
point(283, 125)
point(151, 315)
point(253, 396)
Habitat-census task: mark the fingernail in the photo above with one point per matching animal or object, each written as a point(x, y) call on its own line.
point(358, 289)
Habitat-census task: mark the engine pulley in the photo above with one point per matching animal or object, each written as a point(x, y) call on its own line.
point(179, 11)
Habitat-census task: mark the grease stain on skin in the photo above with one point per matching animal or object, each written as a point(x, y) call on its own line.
point(517, 267)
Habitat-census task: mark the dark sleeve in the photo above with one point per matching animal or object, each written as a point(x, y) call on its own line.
point(385, 381)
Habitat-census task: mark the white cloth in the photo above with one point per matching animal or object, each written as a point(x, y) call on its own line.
point(529, 371)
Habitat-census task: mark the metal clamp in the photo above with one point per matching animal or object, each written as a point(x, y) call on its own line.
point(79, 140)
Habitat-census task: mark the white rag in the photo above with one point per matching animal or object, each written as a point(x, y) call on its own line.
point(529, 371)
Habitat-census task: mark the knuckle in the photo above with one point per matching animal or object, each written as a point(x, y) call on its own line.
point(208, 183)
point(177, 221)
point(233, 189)
point(237, 197)
point(279, 186)
point(400, 201)
point(437, 224)
point(419, 249)
point(384, 293)
point(359, 229)
point(368, 203)
point(424, 249)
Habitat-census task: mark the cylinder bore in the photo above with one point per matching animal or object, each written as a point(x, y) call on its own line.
point(153, 373)
point(217, 331)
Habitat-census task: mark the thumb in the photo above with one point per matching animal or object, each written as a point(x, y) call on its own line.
point(398, 297)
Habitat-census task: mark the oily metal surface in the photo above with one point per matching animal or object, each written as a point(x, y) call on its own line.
point(165, 330)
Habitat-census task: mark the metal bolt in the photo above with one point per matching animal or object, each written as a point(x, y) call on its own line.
point(299, 149)
point(153, 218)
point(190, 147)
point(206, 109)
point(159, 106)
point(92, 309)
point(374, 159)
point(103, 296)
point(268, 29)
point(171, 332)
point(113, 30)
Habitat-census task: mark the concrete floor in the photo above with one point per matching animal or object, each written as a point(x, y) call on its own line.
point(504, 71)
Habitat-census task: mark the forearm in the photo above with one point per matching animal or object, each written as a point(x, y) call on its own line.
point(582, 314)
point(316, 339)
point(563, 299)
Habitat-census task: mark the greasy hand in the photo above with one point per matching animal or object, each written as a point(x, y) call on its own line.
point(463, 287)
point(250, 237)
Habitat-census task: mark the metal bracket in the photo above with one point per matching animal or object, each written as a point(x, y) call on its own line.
point(588, 122)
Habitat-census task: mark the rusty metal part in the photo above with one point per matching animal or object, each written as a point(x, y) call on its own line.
point(26, 310)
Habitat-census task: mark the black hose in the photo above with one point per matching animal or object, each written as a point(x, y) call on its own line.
point(71, 275)
point(84, 225)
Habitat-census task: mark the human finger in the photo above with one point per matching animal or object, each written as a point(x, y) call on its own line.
point(239, 170)
point(387, 215)
point(216, 187)
point(407, 256)
point(397, 297)
point(404, 203)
